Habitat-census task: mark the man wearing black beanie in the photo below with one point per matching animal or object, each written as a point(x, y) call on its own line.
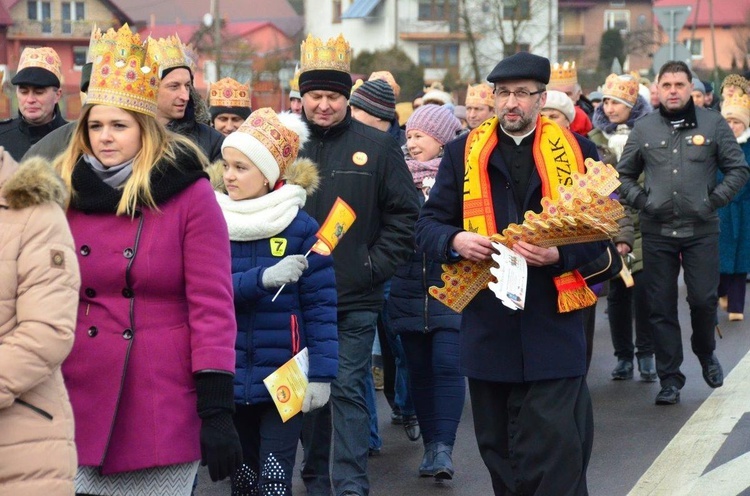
point(364, 167)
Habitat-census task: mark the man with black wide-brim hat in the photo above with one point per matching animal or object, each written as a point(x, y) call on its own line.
point(38, 91)
point(526, 368)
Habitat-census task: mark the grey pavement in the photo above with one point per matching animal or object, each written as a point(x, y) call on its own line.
point(630, 431)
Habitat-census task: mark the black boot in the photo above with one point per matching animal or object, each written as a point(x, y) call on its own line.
point(427, 467)
point(443, 461)
point(647, 368)
point(411, 427)
point(623, 371)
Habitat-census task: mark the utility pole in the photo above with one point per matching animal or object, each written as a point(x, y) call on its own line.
point(216, 36)
point(715, 74)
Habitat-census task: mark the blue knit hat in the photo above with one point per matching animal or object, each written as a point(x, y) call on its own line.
point(437, 121)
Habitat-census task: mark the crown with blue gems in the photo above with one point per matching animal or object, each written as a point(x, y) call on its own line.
point(124, 72)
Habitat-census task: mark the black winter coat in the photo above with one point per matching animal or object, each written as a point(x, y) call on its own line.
point(365, 167)
point(17, 136)
point(497, 343)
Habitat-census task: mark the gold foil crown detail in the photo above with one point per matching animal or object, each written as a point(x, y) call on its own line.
point(623, 88)
point(562, 74)
point(170, 52)
point(294, 82)
point(124, 73)
point(229, 93)
point(335, 55)
point(480, 94)
point(44, 58)
point(283, 143)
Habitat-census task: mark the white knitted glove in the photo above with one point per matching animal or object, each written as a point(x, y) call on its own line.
point(317, 395)
point(287, 271)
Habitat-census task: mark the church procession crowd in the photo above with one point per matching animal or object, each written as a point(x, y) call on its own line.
point(159, 262)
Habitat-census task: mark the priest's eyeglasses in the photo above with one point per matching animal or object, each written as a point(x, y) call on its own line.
point(521, 95)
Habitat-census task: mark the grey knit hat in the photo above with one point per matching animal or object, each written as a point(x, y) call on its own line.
point(436, 121)
point(376, 98)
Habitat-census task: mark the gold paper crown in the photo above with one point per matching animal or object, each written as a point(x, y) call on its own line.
point(480, 94)
point(334, 55)
point(388, 78)
point(562, 74)
point(735, 80)
point(229, 93)
point(294, 82)
point(737, 107)
point(170, 52)
point(622, 88)
point(281, 142)
point(582, 212)
point(124, 73)
point(45, 58)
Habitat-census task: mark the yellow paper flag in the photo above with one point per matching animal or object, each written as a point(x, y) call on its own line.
point(339, 220)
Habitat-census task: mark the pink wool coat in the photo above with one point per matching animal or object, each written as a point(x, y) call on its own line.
point(156, 306)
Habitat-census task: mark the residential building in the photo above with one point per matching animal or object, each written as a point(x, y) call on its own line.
point(62, 25)
point(582, 22)
point(434, 34)
point(730, 36)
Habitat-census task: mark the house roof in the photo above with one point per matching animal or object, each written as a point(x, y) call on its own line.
point(5, 19)
point(725, 13)
point(170, 12)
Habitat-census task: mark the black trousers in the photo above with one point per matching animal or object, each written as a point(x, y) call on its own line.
point(623, 304)
point(699, 257)
point(535, 438)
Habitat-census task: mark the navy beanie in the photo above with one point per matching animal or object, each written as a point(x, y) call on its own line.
point(376, 98)
point(326, 80)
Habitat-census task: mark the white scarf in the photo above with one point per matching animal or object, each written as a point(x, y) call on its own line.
point(742, 138)
point(261, 218)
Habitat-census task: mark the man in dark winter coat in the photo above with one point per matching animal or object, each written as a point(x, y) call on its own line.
point(38, 91)
point(365, 167)
point(526, 368)
point(679, 150)
point(179, 107)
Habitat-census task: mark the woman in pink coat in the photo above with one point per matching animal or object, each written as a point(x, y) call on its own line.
point(150, 374)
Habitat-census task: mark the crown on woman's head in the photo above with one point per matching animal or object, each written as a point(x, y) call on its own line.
point(170, 52)
point(334, 55)
point(124, 72)
point(227, 92)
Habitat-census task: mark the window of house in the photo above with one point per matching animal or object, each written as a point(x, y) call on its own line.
point(336, 11)
point(437, 10)
point(79, 56)
point(617, 19)
point(516, 9)
point(42, 12)
point(696, 47)
point(440, 55)
point(71, 12)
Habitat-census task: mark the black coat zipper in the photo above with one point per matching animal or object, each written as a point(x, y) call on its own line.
point(34, 409)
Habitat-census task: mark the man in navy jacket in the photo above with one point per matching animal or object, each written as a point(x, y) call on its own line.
point(531, 405)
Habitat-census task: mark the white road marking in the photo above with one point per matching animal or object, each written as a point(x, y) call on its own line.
point(678, 469)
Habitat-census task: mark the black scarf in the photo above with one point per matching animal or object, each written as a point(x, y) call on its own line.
point(683, 118)
point(92, 195)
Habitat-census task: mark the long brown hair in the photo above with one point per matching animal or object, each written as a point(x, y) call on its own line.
point(158, 145)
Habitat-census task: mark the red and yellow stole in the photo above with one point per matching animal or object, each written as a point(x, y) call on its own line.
point(557, 156)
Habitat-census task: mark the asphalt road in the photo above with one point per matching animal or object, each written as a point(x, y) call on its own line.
point(639, 448)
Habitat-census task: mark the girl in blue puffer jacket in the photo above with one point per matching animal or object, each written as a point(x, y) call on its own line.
point(270, 234)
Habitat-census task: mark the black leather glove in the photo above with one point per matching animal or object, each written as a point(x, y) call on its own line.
point(220, 444)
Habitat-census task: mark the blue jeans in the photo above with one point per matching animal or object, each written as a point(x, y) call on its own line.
point(402, 398)
point(375, 441)
point(437, 386)
point(335, 438)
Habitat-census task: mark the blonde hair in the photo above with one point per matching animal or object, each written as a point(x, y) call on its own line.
point(157, 145)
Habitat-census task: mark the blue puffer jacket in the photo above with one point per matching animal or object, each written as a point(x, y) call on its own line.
point(304, 314)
